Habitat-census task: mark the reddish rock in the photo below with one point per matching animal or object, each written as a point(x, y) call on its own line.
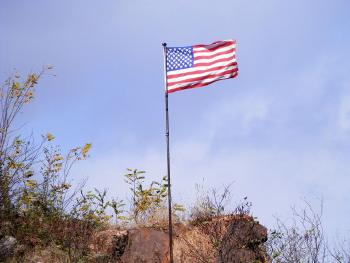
point(146, 246)
point(140, 245)
point(110, 242)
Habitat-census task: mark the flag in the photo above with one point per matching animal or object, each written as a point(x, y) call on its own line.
point(200, 65)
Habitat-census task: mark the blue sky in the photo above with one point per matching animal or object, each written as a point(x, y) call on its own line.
point(280, 131)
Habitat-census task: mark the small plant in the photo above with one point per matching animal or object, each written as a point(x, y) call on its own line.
point(210, 203)
point(134, 178)
point(148, 200)
point(303, 241)
point(117, 206)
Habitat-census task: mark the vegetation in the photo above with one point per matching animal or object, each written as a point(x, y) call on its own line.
point(38, 205)
point(304, 240)
point(40, 208)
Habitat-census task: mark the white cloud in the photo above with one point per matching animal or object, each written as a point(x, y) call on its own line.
point(242, 114)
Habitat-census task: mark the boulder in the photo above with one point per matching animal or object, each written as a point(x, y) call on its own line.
point(110, 242)
point(243, 242)
point(137, 245)
point(146, 245)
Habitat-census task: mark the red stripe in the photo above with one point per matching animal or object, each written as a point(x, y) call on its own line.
point(213, 62)
point(210, 49)
point(204, 77)
point(217, 54)
point(201, 71)
point(201, 84)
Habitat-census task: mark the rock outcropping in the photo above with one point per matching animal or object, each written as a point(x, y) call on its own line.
point(230, 238)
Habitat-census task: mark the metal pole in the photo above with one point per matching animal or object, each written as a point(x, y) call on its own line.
point(168, 158)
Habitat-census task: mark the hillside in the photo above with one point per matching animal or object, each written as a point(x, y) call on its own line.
point(230, 238)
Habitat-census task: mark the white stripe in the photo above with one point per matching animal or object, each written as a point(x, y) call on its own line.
point(208, 60)
point(200, 74)
point(208, 53)
point(219, 64)
point(200, 81)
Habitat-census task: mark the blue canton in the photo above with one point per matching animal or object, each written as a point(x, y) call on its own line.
point(179, 58)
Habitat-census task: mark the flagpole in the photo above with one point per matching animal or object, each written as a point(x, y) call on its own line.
point(168, 157)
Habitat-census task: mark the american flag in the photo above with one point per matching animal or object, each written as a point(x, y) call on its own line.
point(199, 65)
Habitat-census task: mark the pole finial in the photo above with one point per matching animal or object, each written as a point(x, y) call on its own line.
point(164, 44)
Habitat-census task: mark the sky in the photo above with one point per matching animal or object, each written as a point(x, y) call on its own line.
point(280, 131)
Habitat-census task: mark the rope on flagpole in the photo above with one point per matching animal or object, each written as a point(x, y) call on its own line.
point(168, 156)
